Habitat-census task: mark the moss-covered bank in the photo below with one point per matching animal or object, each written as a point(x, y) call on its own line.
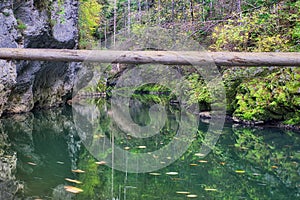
point(258, 95)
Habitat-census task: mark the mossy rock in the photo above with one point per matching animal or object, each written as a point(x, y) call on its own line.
point(275, 96)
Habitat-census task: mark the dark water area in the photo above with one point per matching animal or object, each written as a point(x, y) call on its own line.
point(245, 163)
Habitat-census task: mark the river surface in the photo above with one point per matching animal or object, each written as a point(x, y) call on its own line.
point(56, 148)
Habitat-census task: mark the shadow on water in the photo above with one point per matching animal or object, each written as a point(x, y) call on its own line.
point(246, 163)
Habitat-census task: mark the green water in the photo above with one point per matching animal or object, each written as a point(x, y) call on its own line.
point(246, 163)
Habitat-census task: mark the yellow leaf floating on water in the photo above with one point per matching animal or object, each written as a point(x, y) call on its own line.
point(73, 181)
point(202, 161)
point(210, 189)
point(31, 163)
point(191, 196)
point(126, 148)
point(182, 192)
point(177, 179)
point(142, 147)
point(172, 173)
point(240, 171)
point(199, 154)
point(274, 167)
point(154, 174)
point(78, 171)
point(193, 164)
point(72, 189)
point(101, 162)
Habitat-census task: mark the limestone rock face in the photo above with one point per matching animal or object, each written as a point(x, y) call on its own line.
point(25, 85)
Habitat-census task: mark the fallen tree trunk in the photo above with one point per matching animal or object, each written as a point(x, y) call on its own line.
point(161, 57)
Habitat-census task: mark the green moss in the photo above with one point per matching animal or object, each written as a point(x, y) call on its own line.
point(270, 97)
point(20, 25)
point(294, 119)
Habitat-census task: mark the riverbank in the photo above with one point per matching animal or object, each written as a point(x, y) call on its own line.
point(254, 124)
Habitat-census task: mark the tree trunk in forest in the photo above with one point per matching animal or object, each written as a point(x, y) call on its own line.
point(140, 11)
point(129, 17)
point(239, 8)
point(161, 57)
point(173, 12)
point(192, 10)
point(159, 12)
point(211, 9)
point(105, 34)
point(115, 22)
point(203, 10)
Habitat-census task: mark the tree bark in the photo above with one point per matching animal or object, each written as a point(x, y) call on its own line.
point(140, 11)
point(129, 16)
point(192, 10)
point(115, 22)
point(161, 57)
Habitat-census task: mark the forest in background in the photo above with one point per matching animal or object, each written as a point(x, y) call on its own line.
point(254, 95)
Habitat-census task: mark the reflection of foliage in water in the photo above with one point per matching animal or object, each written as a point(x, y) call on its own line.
point(246, 163)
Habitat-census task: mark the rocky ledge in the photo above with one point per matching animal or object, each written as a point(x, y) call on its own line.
point(25, 85)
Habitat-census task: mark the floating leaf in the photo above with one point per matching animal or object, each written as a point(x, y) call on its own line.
point(202, 161)
point(154, 174)
point(193, 164)
point(274, 167)
point(59, 162)
point(177, 179)
point(101, 162)
point(210, 189)
point(182, 192)
point(142, 147)
point(78, 171)
point(31, 163)
point(97, 136)
point(73, 181)
point(126, 148)
point(172, 173)
point(222, 163)
point(191, 195)
point(72, 189)
point(240, 171)
point(199, 154)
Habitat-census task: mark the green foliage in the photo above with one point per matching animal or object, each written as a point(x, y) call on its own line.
point(42, 4)
point(199, 92)
point(261, 30)
point(275, 96)
point(92, 183)
point(61, 11)
point(20, 25)
point(270, 26)
point(89, 21)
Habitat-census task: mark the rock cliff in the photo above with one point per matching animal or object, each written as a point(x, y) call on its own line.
point(25, 85)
